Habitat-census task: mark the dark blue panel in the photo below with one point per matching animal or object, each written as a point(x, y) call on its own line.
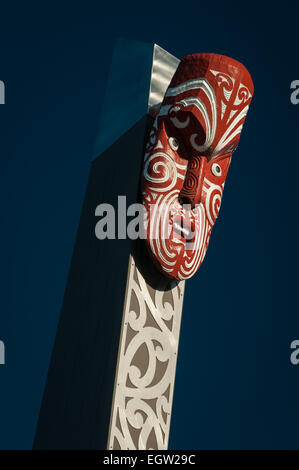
point(126, 96)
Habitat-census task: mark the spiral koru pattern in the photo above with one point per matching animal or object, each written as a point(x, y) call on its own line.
point(160, 170)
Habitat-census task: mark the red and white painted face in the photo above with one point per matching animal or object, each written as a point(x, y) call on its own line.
point(188, 156)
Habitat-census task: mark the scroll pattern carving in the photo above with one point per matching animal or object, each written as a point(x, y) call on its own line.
point(144, 383)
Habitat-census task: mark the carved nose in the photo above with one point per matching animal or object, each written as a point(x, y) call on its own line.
point(192, 188)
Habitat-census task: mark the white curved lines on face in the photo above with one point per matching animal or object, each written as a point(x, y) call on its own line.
point(231, 132)
point(165, 247)
point(243, 95)
point(153, 220)
point(180, 124)
point(223, 109)
point(191, 263)
point(210, 122)
point(166, 227)
point(162, 170)
point(232, 114)
point(227, 81)
point(181, 169)
point(152, 225)
point(201, 228)
point(213, 200)
point(210, 117)
point(159, 230)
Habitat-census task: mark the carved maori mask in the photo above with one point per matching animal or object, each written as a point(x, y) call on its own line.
point(188, 156)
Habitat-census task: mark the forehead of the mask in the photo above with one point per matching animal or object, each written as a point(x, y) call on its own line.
point(217, 90)
point(196, 66)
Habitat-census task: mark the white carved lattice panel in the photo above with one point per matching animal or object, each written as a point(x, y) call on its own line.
point(144, 383)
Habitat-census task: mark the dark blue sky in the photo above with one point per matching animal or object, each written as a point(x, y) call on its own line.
point(235, 387)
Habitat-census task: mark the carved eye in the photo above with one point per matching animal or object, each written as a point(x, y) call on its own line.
point(174, 143)
point(216, 169)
